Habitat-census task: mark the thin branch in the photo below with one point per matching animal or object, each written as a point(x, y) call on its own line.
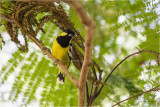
point(48, 53)
point(5, 18)
point(89, 26)
point(91, 92)
point(87, 92)
point(148, 51)
point(153, 89)
point(94, 72)
point(112, 100)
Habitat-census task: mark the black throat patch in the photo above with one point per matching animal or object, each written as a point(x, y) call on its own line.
point(64, 40)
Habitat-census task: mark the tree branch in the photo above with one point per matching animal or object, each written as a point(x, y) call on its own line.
point(89, 26)
point(148, 51)
point(153, 89)
point(5, 18)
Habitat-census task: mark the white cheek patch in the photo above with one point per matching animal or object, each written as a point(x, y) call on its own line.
point(70, 35)
point(70, 51)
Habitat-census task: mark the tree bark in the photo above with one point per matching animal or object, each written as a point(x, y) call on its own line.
point(89, 26)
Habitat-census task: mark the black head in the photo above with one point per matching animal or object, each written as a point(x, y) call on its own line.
point(65, 39)
point(70, 32)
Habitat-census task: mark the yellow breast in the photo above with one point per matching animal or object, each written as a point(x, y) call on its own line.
point(60, 53)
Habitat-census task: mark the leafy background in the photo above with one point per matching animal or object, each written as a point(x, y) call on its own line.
point(122, 27)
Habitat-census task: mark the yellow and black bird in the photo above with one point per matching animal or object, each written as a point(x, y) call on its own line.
point(62, 49)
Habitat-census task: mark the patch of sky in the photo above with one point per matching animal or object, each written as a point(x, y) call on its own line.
point(121, 18)
point(120, 39)
point(109, 58)
point(138, 28)
point(98, 1)
point(152, 25)
point(132, 1)
point(131, 43)
point(97, 50)
point(7, 50)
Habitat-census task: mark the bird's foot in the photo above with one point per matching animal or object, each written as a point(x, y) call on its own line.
point(57, 60)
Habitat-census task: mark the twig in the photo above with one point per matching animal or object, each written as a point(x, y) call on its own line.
point(112, 100)
point(153, 89)
point(5, 18)
point(149, 51)
point(91, 92)
point(87, 92)
point(94, 72)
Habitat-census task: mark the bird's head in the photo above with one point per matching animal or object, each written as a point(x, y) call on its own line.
point(70, 32)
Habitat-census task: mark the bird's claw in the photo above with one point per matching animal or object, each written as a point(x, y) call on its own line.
point(57, 60)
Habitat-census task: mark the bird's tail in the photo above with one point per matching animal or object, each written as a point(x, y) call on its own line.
point(60, 78)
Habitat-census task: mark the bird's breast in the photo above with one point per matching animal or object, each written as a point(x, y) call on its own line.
point(59, 52)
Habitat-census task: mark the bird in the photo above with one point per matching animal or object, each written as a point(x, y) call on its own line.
point(62, 51)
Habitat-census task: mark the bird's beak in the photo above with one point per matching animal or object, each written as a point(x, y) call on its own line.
point(71, 35)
